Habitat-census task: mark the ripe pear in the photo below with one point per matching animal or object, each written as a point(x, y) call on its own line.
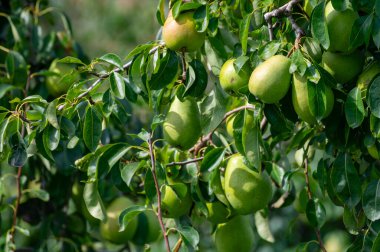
point(181, 34)
point(217, 212)
point(366, 77)
point(175, 205)
point(235, 235)
point(300, 99)
point(247, 191)
point(230, 80)
point(109, 230)
point(343, 67)
point(270, 81)
point(339, 25)
point(182, 126)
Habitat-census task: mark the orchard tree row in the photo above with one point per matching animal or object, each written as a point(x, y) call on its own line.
point(246, 125)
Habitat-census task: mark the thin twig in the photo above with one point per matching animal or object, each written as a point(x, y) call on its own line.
point(310, 197)
point(106, 75)
point(159, 211)
point(184, 72)
point(285, 10)
point(208, 137)
point(185, 162)
point(178, 245)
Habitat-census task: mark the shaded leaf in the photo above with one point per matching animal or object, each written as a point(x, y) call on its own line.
point(371, 200)
point(354, 108)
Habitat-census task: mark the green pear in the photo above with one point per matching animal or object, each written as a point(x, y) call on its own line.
point(247, 191)
point(109, 229)
point(339, 25)
point(230, 80)
point(217, 212)
point(366, 77)
point(300, 99)
point(235, 235)
point(270, 81)
point(181, 34)
point(173, 203)
point(182, 126)
point(343, 67)
point(230, 125)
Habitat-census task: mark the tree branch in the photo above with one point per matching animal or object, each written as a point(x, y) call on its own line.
point(208, 137)
point(159, 211)
point(185, 162)
point(106, 75)
point(285, 10)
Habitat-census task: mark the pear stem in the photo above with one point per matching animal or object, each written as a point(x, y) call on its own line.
point(159, 211)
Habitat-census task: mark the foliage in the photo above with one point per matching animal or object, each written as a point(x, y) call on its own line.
point(65, 159)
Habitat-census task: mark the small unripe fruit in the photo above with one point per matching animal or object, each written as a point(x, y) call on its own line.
point(270, 81)
point(231, 81)
point(181, 34)
point(366, 77)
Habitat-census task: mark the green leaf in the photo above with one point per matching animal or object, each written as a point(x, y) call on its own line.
point(3, 130)
point(346, 181)
point(4, 88)
point(275, 171)
point(129, 214)
point(176, 8)
point(212, 159)
point(361, 31)
point(316, 213)
point(262, 226)
point(251, 140)
point(201, 18)
point(212, 109)
point(298, 63)
point(371, 200)
point(129, 170)
point(167, 73)
point(376, 31)
point(196, 82)
point(376, 244)
point(300, 138)
point(354, 108)
point(112, 59)
point(92, 128)
point(317, 99)
point(319, 26)
point(240, 62)
point(189, 235)
point(270, 49)
point(117, 85)
point(51, 137)
point(160, 13)
point(51, 114)
point(244, 31)
point(93, 201)
point(38, 193)
point(374, 123)
point(322, 174)
point(71, 60)
point(18, 156)
point(374, 97)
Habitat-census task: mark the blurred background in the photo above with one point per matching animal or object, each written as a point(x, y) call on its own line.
point(104, 26)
